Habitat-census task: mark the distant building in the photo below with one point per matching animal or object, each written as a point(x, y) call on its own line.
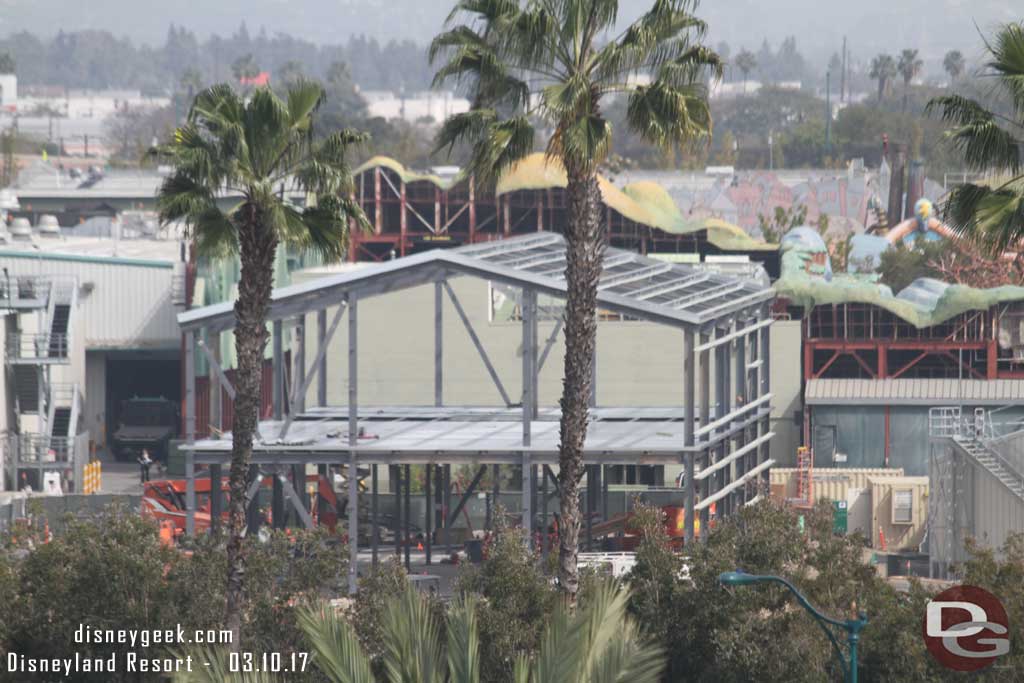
point(414, 107)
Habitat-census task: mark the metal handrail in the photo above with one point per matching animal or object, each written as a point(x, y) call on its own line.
point(41, 448)
point(37, 345)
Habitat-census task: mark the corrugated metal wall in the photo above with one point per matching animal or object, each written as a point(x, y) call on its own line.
point(227, 405)
point(830, 483)
point(859, 432)
point(128, 306)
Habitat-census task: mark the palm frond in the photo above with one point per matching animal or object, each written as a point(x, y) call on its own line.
point(668, 116)
point(412, 651)
point(583, 141)
point(991, 217)
point(304, 98)
point(977, 134)
point(1007, 50)
point(335, 646)
point(504, 143)
point(463, 642)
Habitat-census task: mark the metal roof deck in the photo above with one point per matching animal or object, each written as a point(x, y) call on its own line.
point(631, 284)
point(913, 392)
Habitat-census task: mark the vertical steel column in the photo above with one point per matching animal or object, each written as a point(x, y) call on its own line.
point(301, 487)
point(277, 501)
point(278, 377)
point(544, 539)
point(190, 431)
point(216, 390)
point(766, 361)
point(353, 440)
point(321, 376)
point(590, 507)
point(254, 520)
point(593, 367)
point(374, 513)
point(408, 513)
point(427, 512)
point(529, 311)
point(704, 403)
point(396, 477)
point(496, 494)
point(216, 498)
point(446, 506)
point(738, 466)
point(689, 398)
point(299, 364)
point(438, 344)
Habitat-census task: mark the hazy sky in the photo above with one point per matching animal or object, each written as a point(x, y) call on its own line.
point(932, 26)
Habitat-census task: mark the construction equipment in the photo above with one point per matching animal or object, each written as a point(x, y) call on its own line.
point(164, 501)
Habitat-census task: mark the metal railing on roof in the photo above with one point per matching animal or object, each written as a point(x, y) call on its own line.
point(41, 449)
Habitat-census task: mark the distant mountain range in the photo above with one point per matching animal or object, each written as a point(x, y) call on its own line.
point(932, 26)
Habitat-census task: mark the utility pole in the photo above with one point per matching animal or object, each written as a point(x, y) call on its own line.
point(842, 77)
point(828, 112)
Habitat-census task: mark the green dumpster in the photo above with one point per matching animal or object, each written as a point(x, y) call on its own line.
point(839, 516)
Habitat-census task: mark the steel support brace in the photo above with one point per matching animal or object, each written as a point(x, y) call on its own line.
point(689, 415)
point(529, 398)
point(527, 497)
point(476, 342)
point(216, 499)
point(374, 513)
point(464, 498)
point(320, 364)
point(428, 514)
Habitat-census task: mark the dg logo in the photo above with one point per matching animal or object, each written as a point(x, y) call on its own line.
point(966, 628)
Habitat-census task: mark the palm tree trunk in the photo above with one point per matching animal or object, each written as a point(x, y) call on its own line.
point(585, 245)
point(881, 89)
point(257, 245)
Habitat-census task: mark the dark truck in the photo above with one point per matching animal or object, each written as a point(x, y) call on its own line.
point(145, 423)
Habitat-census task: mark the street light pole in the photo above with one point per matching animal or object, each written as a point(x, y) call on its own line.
point(852, 627)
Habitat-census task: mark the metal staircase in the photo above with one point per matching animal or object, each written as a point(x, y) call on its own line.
point(972, 436)
point(41, 340)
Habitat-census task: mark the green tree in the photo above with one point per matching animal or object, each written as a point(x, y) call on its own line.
point(954, 64)
point(746, 62)
point(774, 228)
point(6, 63)
point(517, 596)
point(909, 67)
point(883, 70)
point(990, 214)
point(552, 63)
point(245, 67)
point(901, 265)
point(253, 147)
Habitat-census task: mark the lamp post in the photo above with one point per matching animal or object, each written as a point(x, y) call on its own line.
point(852, 627)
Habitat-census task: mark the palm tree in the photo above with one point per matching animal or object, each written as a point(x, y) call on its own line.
point(245, 68)
point(991, 214)
point(909, 66)
point(552, 63)
point(746, 62)
point(883, 70)
point(599, 643)
point(954, 64)
point(254, 149)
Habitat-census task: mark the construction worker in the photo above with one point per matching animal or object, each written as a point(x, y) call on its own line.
point(145, 462)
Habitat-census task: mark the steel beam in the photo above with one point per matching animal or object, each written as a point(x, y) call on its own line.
point(319, 368)
point(216, 499)
point(464, 498)
point(549, 344)
point(297, 402)
point(476, 342)
point(529, 346)
point(374, 513)
point(295, 499)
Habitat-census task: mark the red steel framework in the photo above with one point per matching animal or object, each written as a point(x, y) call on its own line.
point(859, 340)
point(413, 216)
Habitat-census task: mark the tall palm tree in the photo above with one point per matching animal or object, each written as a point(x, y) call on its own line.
point(992, 214)
point(552, 63)
point(909, 66)
point(254, 149)
point(746, 62)
point(954, 64)
point(599, 643)
point(883, 70)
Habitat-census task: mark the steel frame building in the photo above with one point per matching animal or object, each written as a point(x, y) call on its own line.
point(721, 438)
